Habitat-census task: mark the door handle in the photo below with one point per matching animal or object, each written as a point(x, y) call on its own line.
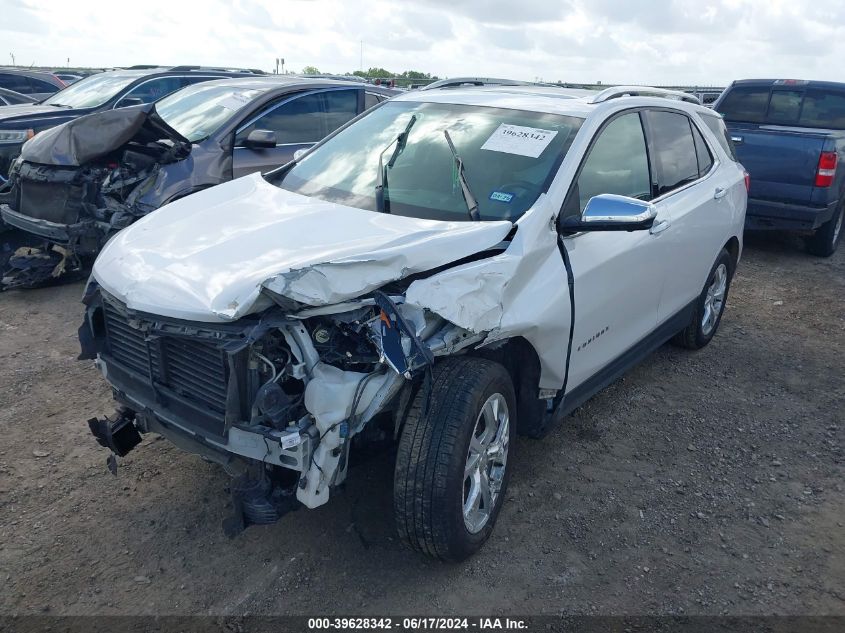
point(659, 227)
point(720, 193)
point(736, 139)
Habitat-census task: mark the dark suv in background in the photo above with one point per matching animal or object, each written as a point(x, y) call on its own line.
point(103, 91)
point(33, 83)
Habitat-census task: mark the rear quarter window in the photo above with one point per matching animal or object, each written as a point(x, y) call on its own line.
point(720, 131)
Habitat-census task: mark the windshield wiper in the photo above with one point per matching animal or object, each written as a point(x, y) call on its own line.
point(471, 202)
point(382, 200)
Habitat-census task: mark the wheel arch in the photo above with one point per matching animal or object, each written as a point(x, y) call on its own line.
point(522, 362)
point(733, 248)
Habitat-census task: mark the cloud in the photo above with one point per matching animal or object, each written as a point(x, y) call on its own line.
point(503, 11)
point(647, 41)
point(20, 18)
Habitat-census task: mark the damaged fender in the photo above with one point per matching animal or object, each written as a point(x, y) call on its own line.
point(520, 292)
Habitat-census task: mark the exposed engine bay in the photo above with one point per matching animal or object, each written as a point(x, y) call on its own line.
point(276, 399)
point(76, 185)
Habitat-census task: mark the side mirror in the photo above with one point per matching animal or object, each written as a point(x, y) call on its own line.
point(128, 102)
point(261, 139)
point(609, 212)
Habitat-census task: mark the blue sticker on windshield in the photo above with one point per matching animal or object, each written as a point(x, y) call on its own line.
point(501, 196)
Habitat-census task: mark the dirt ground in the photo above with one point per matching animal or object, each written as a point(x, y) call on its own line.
point(702, 483)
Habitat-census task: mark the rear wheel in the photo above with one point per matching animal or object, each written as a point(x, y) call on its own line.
point(824, 241)
point(710, 305)
point(452, 463)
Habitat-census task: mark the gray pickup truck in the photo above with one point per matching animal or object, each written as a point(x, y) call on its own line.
point(789, 134)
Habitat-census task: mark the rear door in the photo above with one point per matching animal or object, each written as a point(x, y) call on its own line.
point(695, 203)
point(764, 122)
point(298, 122)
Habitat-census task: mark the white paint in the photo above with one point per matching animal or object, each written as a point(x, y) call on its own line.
point(206, 257)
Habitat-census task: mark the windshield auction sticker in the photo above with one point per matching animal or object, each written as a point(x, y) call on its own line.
point(516, 139)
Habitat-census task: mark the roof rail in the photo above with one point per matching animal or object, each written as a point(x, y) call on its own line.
point(141, 67)
point(643, 91)
point(464, 82)
point(254, 71)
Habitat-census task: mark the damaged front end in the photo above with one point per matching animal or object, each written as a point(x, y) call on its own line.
point(76, 185)
point(277, 398)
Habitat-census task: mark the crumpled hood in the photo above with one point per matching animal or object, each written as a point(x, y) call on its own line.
point(93, 136)
point(206, 257)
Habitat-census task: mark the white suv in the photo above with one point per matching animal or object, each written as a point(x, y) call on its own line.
point(453, 267)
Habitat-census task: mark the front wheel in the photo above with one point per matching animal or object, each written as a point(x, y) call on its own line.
point(709, 306)
point(824, 241)
point(452, 462)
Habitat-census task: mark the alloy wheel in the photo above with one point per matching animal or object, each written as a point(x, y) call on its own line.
point(714, 299)
point(486, 461)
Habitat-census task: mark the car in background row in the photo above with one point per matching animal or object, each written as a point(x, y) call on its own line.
point(103, 91)
point(790, 136)
point(68, 78)
point(79, 183)
point(456, 266)
point(706, 97)
point(36, 84)
point(10, 97)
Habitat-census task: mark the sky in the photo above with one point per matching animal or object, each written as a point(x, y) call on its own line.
point(660, 42)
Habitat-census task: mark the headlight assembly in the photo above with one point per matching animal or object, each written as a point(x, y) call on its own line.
point(15, 136)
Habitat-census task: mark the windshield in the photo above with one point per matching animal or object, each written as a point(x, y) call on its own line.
point(509, 158)
point(198, 111)
point(91, 92)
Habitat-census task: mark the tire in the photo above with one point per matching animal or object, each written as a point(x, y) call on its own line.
point(700, 330)
point(431, 484)
point(824, 241)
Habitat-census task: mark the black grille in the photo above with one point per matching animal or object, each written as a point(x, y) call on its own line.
point(192, 368)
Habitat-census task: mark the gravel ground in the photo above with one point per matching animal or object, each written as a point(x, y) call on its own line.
point(702, 483)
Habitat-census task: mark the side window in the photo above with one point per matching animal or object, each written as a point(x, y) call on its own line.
point(340, 106)
point(702, 152)
point(371, 99)
point(617, 163)
point(152, 90)
point(747, 104)
point(39, 86)
point(306, 119)
point(18, 83)
point(673, 149)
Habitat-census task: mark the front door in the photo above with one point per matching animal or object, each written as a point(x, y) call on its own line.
point(618, 275)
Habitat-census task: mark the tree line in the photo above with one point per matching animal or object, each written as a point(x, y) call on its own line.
point(379, 73)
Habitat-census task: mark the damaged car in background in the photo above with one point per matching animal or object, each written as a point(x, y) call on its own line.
point(77, 184)
point(455, 267)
